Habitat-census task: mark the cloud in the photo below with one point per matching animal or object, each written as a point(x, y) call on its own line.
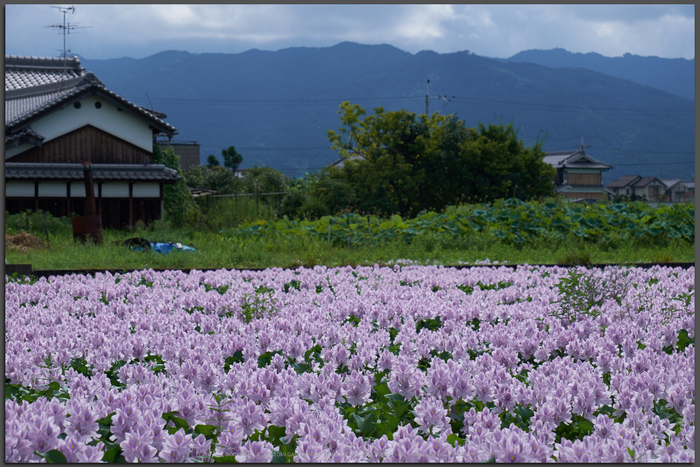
point(488, 30)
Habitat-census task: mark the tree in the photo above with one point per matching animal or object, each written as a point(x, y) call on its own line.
point(212, 161)
point(215, 178)
point(231, 158)
point(178, 206)
point(402, 162)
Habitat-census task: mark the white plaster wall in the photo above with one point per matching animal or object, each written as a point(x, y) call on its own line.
point(77, 190)
point(115, 189)
point(122, 124)
point(52, 189)
point(146, 190)
point(19, 189)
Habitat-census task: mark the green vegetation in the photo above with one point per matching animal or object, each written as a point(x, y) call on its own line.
point(509, 231)
point(401, 162)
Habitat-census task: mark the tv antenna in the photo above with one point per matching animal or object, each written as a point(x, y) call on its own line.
point(65, 29)
point(427, 98)
point(582, 146)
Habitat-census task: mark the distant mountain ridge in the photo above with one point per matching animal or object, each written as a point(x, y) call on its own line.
point(673, 75)
point(276, 107)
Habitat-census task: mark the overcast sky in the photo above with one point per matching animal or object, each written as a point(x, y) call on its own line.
point(498, 31)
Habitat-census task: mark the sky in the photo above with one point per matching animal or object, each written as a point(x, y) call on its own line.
point(497, 31)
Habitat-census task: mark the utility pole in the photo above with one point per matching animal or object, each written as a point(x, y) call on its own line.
point(427, 98)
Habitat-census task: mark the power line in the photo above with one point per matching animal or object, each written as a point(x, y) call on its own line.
point(299, 102)
point(182, 100)
point(569, 107)
point(654, 163)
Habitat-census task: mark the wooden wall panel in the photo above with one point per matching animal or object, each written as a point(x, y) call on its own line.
point(573, 195)
point(86, 144)
point(583, 179)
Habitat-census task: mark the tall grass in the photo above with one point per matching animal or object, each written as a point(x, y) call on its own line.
point(216, 249)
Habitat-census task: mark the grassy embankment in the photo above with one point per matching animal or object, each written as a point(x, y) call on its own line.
point(234, 249)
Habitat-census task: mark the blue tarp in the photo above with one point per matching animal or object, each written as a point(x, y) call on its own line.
point(141, 244)
point(166, 248)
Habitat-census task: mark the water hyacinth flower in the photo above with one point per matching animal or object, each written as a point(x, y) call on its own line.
point(256, 451)
point(578, 368)
point(431, 416)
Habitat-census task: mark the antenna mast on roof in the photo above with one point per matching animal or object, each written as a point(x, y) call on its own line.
point(65, 29)
point(582, 146)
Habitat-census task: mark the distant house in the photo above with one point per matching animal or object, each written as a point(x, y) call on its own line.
point(58, 116)
point(649, 188)
point(624, 186)
point(679, 191)
point(646, 188)
point(579, 176)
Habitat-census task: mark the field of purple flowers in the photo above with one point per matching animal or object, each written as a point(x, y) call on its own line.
point(403, 364)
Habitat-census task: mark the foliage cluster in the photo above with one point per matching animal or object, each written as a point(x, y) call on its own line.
point(178, 206)
point(401, 162)
point(510, 221)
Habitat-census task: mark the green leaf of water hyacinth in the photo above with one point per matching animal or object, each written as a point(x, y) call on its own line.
point(366, 424)
point(206, 430)
point(54, 456)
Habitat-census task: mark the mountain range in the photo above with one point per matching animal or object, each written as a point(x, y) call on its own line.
point(276, 107)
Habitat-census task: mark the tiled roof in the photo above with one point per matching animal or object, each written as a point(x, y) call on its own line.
point(645, 181)
point(56, 171)
point(627, 180)
point(569, 159)
point(24, 108)
point(583, 189)
point(26, 133)
point(670, 182)
point(27, 98)
point(554, 160)
point(26, 72)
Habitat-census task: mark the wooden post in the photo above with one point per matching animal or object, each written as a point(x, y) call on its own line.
point(90, 209)
point(68, 211)
point(329, 230)
point(348, 222)
point(20, 221)
point(36, 198)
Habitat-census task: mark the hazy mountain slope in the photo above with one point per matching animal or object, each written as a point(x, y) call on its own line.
point(276, 107)
point(673, 75)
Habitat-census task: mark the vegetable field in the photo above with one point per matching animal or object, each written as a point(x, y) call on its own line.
point(511, 221)
point(365, 364)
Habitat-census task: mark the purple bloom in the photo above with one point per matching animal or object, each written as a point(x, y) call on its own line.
point(91, 454)
point(256, 451)
point(431, 415)
point(176, 447)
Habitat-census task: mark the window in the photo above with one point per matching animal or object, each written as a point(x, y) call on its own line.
point(655, 191)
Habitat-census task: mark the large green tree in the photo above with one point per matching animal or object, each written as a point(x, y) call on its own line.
point(401, 162)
